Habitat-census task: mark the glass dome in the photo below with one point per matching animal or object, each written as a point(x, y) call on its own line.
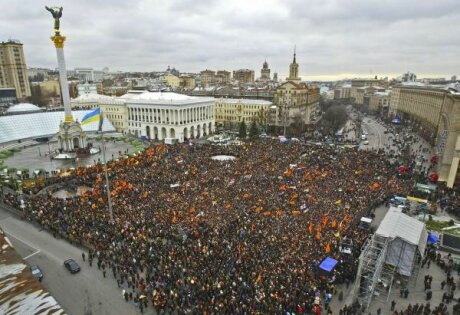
point(23, 107)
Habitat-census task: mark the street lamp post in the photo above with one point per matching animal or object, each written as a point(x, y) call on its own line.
point(2, 191)
point(285, 116)
point(109, 200)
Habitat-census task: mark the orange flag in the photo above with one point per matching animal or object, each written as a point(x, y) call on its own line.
point(310, 228)
point(288, 172)
point(318, 234)
point(334, 224)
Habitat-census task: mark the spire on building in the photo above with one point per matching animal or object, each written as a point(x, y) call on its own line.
point(293, 69)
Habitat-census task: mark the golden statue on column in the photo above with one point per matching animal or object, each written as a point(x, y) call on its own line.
point(71, 135)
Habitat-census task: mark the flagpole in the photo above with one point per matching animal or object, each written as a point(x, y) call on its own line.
point(105, 170)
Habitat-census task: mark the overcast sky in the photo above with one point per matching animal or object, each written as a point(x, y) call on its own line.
point(334, 39)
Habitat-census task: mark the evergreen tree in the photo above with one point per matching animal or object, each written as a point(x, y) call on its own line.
point(253, 130)
point(242, 132)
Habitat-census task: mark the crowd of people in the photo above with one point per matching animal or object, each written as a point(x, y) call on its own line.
point(197, 235)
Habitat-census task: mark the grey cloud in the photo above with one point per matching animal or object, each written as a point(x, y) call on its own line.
point(332, 37)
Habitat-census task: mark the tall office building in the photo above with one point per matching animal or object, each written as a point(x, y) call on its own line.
point(244, 75)
point(265, 72)
point(13, 68)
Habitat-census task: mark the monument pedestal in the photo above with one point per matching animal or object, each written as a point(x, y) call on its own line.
point(71, 136)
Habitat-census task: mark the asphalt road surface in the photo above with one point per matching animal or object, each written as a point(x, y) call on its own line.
point(375, 134)
point(84, 293)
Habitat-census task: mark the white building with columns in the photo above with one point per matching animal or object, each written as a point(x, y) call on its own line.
point(159, 115)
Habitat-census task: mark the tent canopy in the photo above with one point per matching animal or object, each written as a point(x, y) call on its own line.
point(406, 236)
point(328, 264)
point(396, 224)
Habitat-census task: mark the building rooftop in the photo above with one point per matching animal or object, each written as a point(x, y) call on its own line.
point(41, 124)
point(245, 101)
point(23, 107)
point(396, 224)
point(146, 95)
point(21, 293)
point(92, 97)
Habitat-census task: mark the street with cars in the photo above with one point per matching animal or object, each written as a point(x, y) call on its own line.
point(84, 292)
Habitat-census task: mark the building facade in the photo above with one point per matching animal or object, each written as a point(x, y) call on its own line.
point(362, 83)
point(342, 92)
point(187, 82)
point(230, 112)
point(377, 102)
point(171, 80)
point(50, 88)
point(13, 69)
point(296, 100)
point(7, 97)
point(434, 112)
point(223, 77)
point(34, 72)
point(409, 77)
point(207, 77)
point(159, 116)
point(364, 91)
point(243, 76)
point(88, 74)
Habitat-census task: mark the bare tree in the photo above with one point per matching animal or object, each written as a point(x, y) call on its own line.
point(297, 127)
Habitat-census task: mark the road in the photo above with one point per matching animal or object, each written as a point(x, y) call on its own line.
point(84, 293)
point(375, 133)
point(378, 139)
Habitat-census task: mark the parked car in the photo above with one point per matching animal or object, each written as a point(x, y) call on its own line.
point(366, 142)
point(36, 272)
point(72, 266)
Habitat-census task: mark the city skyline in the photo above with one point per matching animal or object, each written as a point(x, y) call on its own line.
point(334, 40)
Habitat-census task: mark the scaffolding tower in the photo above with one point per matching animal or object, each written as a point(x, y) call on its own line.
point(375, 276)
point(371, 275)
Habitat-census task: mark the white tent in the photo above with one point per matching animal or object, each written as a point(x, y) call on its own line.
point(406, 238)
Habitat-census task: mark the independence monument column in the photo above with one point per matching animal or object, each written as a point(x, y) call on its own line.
point(71, 135)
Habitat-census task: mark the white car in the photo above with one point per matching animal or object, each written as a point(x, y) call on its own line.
point(366, 142)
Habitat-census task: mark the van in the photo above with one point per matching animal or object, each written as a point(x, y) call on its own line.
point(365, 223)
point(171, 140)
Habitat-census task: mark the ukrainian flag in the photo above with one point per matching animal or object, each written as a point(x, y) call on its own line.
point(95, 115)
